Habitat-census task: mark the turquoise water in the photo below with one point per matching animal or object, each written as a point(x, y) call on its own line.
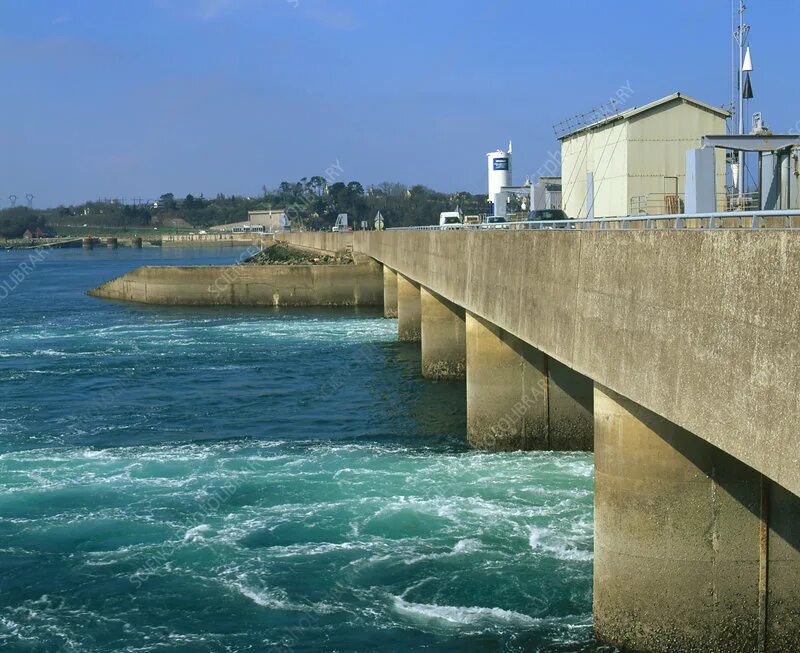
point(178, 479)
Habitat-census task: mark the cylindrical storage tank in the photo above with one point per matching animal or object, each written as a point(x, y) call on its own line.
point(112, 243)
point(499, 168)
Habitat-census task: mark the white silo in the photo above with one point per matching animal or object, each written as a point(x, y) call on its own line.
point(499, 164)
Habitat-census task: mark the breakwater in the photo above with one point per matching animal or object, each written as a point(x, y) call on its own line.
point(360, 284)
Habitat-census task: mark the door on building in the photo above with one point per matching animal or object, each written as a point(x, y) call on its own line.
point(673, 202)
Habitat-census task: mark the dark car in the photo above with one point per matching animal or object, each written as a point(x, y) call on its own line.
point(544, 215)
point(494, 222)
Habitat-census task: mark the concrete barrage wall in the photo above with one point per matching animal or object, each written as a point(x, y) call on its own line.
point(324, 241)
point(250, 285)
point(216, 239)
point(701, 328)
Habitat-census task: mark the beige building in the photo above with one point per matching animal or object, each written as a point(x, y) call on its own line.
point(635, 162)
point(267, 221)
point(275, 220)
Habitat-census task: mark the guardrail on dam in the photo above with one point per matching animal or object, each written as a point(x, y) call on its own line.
point(676, 352)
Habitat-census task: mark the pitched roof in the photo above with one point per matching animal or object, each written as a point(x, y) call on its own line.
point(630, 113)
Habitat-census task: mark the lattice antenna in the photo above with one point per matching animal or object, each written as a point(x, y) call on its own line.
point(29, 197)
point(13, 199)
point(591, 117)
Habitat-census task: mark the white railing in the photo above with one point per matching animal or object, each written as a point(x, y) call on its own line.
point(781, 219)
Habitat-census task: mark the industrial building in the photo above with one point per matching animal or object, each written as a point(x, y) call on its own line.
point(500, 187)
point(634, 162)
point(272, 221)
point(546, 193)
point(499, 173)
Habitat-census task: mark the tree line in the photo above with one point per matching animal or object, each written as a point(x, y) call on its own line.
point(15, 221)
point(311, 203)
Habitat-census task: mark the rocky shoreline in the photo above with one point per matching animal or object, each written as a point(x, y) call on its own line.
point(282, 254)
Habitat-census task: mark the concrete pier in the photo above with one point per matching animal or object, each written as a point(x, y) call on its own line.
point(694, 550)
point(444, 346)
point(409, 310)
point(570, 400)
point(389, 292)
point(506, 390)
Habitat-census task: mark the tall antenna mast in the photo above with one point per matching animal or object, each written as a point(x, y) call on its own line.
point(740, 35)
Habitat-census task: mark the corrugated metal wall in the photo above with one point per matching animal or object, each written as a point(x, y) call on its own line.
point(604, 153)
point(636, 161)
point(657, 148)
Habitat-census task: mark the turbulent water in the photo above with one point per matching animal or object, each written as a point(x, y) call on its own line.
point(180, 479)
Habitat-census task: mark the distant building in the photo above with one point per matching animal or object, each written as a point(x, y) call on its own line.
point(272, 220)
point(36, 233)
point(634, 162)
point(547, 193)
point(267, 221)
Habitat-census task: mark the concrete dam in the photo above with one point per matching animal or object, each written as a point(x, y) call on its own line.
point(672, 354)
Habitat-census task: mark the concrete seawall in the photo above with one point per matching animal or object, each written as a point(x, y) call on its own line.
point(326, 241)
point(216, 240)
point(250, 285)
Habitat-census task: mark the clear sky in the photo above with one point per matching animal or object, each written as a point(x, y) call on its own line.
point(130, 98)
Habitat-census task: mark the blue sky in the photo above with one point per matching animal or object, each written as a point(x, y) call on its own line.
point(142, 97)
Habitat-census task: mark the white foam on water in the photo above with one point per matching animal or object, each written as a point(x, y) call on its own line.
point(277, 599)
point(544, 541)
point(314, 549)
point(49, 352)
point(196, 534)
point(467, 545)
point(462, 616)
point(462, 547)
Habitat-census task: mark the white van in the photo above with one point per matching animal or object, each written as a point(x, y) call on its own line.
point(450, 219)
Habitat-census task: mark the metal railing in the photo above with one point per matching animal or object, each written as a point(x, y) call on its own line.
point(657, 204)
point(730, 201)
point(671, 203)
point(749, 220)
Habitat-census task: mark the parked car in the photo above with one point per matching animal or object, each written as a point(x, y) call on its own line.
point(547, 215)
point(494, 222)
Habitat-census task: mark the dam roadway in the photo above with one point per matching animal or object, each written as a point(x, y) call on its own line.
point(673, 354)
